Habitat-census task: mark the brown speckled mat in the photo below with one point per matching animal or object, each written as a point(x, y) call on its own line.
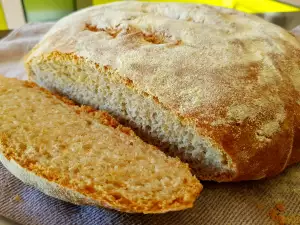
point(273, 201)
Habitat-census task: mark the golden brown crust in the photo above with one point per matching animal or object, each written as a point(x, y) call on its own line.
point(48, 182)
point(232, 76)
point(294, 57)
point(295, 156)
point(69, 194)
point(257, 160)
point(85, 196)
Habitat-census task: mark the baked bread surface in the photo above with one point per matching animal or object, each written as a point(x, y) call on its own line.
point(229, 81)
point(85, 156)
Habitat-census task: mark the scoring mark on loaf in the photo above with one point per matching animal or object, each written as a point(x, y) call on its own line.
point(113, 32)
point(149, 36)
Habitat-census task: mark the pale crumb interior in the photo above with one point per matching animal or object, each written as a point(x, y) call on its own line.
point(85, 85)
point(76, 151)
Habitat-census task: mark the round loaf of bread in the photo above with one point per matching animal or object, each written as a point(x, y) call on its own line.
point(216, 87)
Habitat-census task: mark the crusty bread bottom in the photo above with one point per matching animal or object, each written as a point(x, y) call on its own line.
point(144, 114)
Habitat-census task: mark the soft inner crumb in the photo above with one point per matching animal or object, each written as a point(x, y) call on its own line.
point(142, 113)
point(73, 149)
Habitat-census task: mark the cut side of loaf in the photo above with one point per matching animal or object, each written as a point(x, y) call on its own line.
point(216, 87)
point(85, 156)
point(142, 112)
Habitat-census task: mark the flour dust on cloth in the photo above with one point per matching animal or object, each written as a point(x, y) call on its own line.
point(270, 201)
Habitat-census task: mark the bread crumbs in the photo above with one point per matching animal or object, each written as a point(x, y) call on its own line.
point(17, 198)
point(276, 214)
point(280, 207)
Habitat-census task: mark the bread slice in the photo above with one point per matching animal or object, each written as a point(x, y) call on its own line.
point(85, 156)
point(214, 86)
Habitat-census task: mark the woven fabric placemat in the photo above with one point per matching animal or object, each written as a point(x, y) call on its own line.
point(256, 202)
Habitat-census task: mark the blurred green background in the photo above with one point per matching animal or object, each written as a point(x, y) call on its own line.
point(52, 10)
point(249, 6)
point(41, 10)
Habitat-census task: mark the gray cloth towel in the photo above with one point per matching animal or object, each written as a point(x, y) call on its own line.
point(256, 202)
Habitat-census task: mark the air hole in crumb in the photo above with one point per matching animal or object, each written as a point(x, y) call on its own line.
point(62, 146)
point(26, 129)
point(75, 171)
point(224, 160)
point(259, 133)
point(154, 115)
point(87, 147)
point(148, 128)
point(22, 147)
point(124, 109)
point(238, 124)
point(145, 94)
point(117, 196)
point(90, 189)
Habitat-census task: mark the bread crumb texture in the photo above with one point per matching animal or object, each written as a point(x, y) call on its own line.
point(226, 82)
point(50, 143)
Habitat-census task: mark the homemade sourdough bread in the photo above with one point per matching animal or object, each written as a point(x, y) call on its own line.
point(216, 87)
point(84, 156)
